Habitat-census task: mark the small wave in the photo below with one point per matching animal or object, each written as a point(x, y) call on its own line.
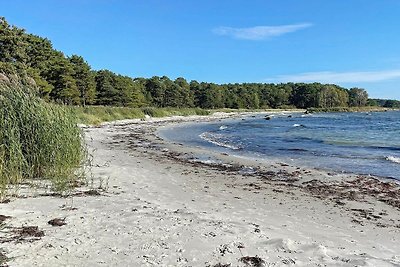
point(386, 148)
point(393, 159)
point(365, 144)
point(213, 139)
point(298, 125)
point(223, 127)
point(293, 149)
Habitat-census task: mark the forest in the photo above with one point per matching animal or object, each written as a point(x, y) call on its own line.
point(70, 80)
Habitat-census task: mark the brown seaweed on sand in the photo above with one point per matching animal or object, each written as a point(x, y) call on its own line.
point(252, 261)
point(3, 218)
point(24, 233)
point(57, 222)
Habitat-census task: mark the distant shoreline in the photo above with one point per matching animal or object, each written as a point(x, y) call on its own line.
point(352, 109)
point(98, 115)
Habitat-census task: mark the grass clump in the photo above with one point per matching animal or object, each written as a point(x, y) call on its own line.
point(38, 140)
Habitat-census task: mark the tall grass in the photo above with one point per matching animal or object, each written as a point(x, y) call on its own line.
point(38, 140)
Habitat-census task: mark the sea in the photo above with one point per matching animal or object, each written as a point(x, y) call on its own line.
point(361, 143)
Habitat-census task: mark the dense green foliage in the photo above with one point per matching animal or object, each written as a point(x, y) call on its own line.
point(384, 103)
point(70, 80)
point(349, 109)
point(38, 140)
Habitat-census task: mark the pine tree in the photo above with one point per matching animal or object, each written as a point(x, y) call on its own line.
point(85, 81)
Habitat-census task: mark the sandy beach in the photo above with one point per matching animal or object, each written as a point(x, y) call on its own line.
point(151, 203)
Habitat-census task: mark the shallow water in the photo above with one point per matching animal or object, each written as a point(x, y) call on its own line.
point(364, 143)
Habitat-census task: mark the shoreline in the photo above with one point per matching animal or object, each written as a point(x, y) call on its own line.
point(162, 209)
point(294, 174)
point(219, 154)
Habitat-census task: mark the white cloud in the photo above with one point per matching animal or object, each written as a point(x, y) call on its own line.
point(259, 32)
point(340, 77)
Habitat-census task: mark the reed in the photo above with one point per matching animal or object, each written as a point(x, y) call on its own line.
point(38, 140)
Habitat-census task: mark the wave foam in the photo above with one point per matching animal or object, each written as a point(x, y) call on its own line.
point(223, 127)
point(213, 139)
point(393, 159)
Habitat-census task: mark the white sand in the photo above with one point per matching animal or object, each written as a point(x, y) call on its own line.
point(160, 212)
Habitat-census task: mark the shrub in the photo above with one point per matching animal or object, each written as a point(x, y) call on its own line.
point(38, 140)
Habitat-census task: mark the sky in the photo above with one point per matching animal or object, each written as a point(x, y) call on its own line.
point(352, 43)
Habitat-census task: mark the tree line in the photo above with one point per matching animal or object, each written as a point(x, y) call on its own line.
point(71, 80)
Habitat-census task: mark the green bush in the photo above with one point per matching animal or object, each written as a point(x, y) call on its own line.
point(38, 140)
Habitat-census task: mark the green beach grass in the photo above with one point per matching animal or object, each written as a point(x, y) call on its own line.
point(94, 115)
point(38, 140)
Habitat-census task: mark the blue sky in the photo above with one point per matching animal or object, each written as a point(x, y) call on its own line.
point(347, 42)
